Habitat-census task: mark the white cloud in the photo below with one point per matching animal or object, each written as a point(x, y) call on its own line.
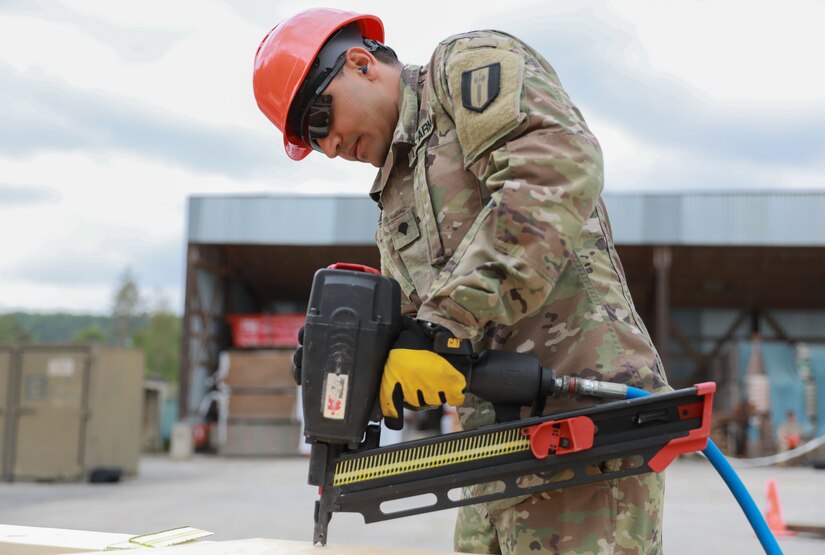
point(204, 75)
point(52, 298)
point(114, 208)
point(634, 164)
point(192, 61)
point(735, 50)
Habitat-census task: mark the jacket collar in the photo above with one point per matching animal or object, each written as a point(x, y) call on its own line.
point(405, 129)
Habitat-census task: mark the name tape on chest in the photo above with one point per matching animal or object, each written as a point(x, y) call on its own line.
point(425, 128)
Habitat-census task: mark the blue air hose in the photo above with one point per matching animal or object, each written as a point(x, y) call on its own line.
point(737, 488)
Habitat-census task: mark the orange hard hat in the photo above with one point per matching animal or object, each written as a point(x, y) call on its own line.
point(285, 57)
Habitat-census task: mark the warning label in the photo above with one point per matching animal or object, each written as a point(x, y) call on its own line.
point(335, 396)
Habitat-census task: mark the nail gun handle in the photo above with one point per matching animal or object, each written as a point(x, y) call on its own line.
point(510, 381)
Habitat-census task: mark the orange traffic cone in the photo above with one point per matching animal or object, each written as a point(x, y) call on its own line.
point(773, 516)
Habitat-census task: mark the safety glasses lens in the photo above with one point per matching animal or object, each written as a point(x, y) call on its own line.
point(318, 119)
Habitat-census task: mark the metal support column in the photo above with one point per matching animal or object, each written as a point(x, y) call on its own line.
point(662, 259)
point(186, 357)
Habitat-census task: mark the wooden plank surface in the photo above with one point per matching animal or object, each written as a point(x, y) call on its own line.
point(30, 540)
point(262, 546)
point(33, 540)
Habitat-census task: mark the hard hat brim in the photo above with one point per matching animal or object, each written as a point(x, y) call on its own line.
point(296, 151)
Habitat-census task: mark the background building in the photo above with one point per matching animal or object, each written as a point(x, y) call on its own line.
point(731, 285)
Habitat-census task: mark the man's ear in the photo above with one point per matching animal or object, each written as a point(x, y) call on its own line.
point(360, 58)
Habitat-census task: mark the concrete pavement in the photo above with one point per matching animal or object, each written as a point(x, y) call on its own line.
point(246, 498)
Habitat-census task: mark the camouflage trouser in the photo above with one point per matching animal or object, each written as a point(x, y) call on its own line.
point(618, 516)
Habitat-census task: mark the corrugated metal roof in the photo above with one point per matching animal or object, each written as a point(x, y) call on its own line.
point(282, 220)
point(696, 218)
point(747, 218)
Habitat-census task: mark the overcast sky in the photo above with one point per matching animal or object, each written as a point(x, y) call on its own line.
point(112, 113)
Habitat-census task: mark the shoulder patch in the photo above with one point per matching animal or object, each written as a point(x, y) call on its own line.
point(480, 86)
point(485, 87)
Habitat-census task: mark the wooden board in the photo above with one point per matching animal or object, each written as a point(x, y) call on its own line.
point(260, 546)
point(32, 540)
point(258, 369)
point(29, 540)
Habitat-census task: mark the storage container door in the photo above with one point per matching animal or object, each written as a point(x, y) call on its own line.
point(5, 409)
point(50, 423)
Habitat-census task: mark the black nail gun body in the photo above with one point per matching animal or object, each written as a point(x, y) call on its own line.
point(352, 320)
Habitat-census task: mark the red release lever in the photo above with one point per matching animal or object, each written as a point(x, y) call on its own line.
point(559, 437)
point(697, 439)
point(353, 267)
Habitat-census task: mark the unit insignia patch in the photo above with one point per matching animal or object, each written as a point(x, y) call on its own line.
point(480, 86)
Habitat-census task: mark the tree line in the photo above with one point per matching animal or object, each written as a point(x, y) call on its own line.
point(135, 321)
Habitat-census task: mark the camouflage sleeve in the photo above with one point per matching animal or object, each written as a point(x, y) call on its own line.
point(532, 149)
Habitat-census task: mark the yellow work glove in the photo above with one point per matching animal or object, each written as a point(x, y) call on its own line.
point(416, 375)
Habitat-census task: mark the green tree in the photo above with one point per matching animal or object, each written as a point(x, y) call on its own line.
point(11, 331)
point(90, 334)
point(160, 341)
point(58, 327)
point(126, 308)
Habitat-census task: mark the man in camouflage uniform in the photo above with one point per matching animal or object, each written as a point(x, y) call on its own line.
point(492, 222)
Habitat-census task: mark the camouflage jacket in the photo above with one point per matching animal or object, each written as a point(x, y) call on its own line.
point(492, 220)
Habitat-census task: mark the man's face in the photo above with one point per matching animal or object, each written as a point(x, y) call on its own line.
point(363, 116)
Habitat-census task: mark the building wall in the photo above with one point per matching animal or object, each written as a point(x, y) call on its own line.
point(303, 233)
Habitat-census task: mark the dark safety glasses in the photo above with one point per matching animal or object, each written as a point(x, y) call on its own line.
point(314, 119)
point(319, 120)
